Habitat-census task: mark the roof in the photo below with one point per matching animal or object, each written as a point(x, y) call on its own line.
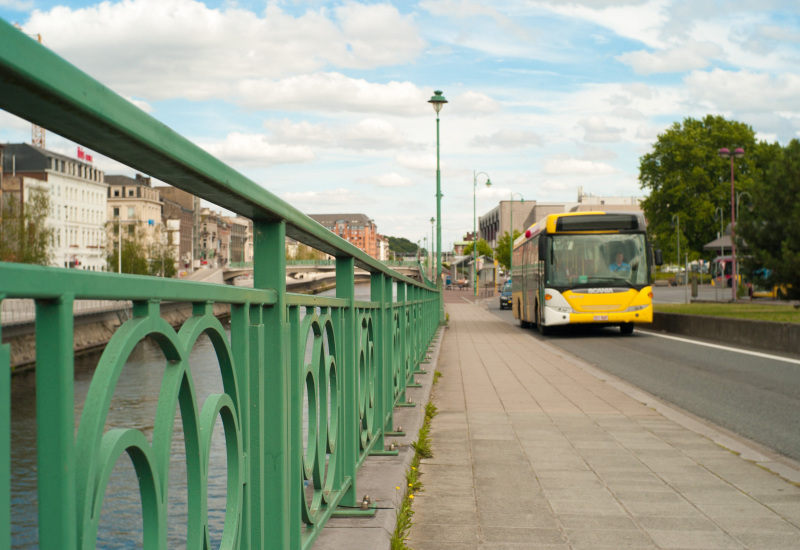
point(126, 180)
point(330, 219)
point(719, 242)
point(24, 157)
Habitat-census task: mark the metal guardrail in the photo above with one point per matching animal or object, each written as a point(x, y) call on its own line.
point(282, 486)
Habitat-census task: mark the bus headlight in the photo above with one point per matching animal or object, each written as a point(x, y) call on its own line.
point(636, 308)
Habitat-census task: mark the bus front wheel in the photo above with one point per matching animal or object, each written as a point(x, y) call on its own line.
point(626, 328)
point(541, 327)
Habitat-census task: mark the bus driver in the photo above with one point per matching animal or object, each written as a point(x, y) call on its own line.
point(619, 264)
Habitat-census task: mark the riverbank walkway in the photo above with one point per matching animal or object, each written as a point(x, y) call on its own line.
point(534, 448)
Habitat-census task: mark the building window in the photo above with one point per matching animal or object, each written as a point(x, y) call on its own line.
point(131, 211)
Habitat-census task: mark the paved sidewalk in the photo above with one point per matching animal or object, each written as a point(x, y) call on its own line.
point(532, 450)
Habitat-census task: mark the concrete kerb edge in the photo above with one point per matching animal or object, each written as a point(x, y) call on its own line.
point(379, 476)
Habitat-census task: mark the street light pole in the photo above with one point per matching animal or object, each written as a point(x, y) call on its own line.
point(726, 154)
point(678, 217)
point(511, 238)
point(433, 220)
point(438, 101)
point(474, 229)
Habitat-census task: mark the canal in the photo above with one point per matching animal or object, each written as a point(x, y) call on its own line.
point(133, 406)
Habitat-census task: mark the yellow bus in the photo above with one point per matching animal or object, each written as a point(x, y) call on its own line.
point(584, 267)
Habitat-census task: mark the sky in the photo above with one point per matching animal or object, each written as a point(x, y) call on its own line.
point(324, 103)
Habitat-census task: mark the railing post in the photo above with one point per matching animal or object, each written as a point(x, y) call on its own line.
point(55, 414)
point(274, 483)
point(345, 288)
point(401, 352)
point(379, 319)
point(5, 443)
point(388, 355)
point(240, 347)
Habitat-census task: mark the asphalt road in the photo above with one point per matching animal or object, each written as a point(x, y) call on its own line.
point(749, 393)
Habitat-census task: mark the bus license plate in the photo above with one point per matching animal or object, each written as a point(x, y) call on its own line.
point(601, 317)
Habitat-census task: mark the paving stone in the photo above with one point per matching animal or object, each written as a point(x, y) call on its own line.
point(596, 539)
point(694, 540)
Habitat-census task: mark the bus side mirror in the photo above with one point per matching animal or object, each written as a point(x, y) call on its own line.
point(658, 259)
point(542, 253)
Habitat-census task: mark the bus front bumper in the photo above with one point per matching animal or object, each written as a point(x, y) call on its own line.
point(553, 316)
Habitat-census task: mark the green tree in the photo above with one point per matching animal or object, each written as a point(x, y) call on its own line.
point(401, 246)
point(769, 235)
point(483, 249)
point(162, 261)
point(503, 250)
point(134, 258)
point(686, 177)
point(25, 236)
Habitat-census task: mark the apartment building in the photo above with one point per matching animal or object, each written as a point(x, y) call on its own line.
point(358, 229)
point(77, 195)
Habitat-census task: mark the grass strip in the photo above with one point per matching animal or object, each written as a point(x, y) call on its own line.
point(750, 311)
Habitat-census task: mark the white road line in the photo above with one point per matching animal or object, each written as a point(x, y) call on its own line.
point(726, 348)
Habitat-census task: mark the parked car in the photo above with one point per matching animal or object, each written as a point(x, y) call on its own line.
point(505, 296)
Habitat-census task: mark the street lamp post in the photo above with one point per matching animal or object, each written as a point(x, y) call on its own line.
point(433, 220)
point(719, 215)
point(727, 154)
point(474, 229)
point(438, 101)
point(511, 237)
point(678, 231)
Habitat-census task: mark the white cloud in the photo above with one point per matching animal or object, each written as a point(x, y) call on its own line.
point(689, 56)
point(391, 180)
point(745, 90)
point(508, 138)
point(422, 162)
point(143, 105)
point(332, 92)
point(285, 131)
point(572, 166)
point(18, 5)
point(596, 130)
point(307, 201)
point(635, 19)
point(372, 133)
point(474, 103)
point(256, 150)
point(132, 44)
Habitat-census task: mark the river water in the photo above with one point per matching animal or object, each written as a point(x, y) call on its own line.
point(133, 406)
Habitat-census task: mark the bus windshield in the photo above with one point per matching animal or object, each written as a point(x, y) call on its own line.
point(591, 260)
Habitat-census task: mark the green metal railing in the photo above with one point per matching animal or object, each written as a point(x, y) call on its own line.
point(341, 364)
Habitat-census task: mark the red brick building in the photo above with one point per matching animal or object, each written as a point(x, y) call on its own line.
point(357, 229)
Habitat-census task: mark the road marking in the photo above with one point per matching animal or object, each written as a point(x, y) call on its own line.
point(726, 348)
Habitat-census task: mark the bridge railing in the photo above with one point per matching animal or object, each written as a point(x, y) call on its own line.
point(308, 384)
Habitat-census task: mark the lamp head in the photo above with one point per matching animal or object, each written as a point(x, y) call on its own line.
point(432, 220)
point(738, 153)
point(437, 100)
point(488, 182)
point(725, 153)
